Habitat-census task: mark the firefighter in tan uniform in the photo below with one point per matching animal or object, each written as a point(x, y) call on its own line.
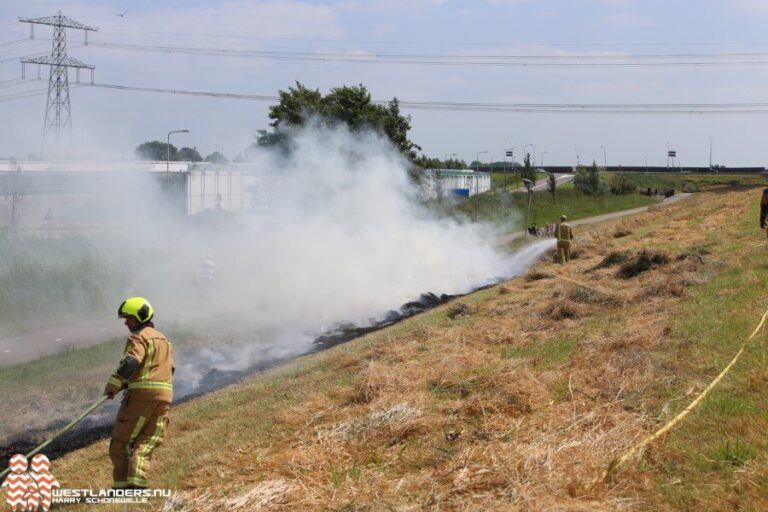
point(564, 234)
point(146, 374)
point(763, 208)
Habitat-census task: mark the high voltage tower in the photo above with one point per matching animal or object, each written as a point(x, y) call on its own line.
point(57, 116)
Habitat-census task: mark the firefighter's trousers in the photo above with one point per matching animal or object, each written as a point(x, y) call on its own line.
point(564, 250)
point(139, 429)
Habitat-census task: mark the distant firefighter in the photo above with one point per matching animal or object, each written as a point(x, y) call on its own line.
point(207, 277)
point(763, 208)
point(564, 234)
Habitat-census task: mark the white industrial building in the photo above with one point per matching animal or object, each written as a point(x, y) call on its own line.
point(67, 194)
point(459, 183)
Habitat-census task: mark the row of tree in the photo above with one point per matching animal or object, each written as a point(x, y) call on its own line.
point(351, 106)
point(158, 150)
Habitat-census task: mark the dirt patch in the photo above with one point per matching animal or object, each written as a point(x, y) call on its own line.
point(612, 259)
point(621, 233)
point(537, 275)
point(460, 310)
point(643, 262)
point(562, 310)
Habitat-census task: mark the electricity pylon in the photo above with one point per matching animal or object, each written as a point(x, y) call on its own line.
point(57, 116)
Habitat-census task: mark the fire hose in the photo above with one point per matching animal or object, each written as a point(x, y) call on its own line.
point(80, 418)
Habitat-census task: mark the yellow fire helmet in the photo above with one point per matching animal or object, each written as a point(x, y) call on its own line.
point(137, 307)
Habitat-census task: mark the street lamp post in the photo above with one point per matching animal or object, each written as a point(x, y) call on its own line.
point(578, 154)
point(525, 153)
point(529, 187)
point(477, 158)
point(605, 159)
point(168, 150)
point(493, 160)
point(508, 153)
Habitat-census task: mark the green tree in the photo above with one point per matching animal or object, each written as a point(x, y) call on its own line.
point(619, 184)
point(351, 106)
point(552, 185)
point(217, 158)
point(528, 171)
point(187, 154)
point(425, 162)
point(587, 179)
point(155, 150)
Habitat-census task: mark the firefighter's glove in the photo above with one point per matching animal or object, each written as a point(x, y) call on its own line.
point(110, 392)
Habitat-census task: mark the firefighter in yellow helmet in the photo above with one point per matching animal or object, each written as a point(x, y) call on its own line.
point(145, 373)
point(564, 233)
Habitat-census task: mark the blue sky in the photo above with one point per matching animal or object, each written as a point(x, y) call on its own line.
point(111, 123)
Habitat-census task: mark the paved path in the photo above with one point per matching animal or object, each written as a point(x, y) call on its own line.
point(600, 218)
point(16, 349)
point(542, 184)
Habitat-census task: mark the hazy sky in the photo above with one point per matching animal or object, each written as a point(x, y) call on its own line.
point(111, 123)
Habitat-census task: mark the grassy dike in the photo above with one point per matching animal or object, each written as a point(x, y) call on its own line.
point(509, 209)
point(718, 458)
point(515, 398)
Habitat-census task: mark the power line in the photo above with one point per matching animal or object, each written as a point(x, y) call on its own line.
point(541, 108)
point(24, 94)
point(595, 108)
point(646, 60)
point(35, 55)
point(187, 35)
point(14, 82)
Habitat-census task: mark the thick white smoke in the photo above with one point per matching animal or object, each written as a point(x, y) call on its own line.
point(336, 235)
point(341, 238)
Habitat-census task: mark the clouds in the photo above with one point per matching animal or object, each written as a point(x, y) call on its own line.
point(239, 18)
point(121, 120)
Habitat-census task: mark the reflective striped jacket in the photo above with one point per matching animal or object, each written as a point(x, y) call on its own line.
point(153, 380)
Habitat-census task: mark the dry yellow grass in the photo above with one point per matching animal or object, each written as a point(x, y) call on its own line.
point(518, 403)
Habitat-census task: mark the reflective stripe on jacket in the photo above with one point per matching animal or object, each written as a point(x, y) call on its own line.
point(153, 380)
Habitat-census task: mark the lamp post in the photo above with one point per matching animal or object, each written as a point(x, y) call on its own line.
point(168, 150)
point(493, 160)
point(605, 159)
point(529, 187)
point(578, 161)
point(525, 152)
point(477, 158)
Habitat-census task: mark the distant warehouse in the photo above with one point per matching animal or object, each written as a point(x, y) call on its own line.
point(460, 183)
point(91, 194)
